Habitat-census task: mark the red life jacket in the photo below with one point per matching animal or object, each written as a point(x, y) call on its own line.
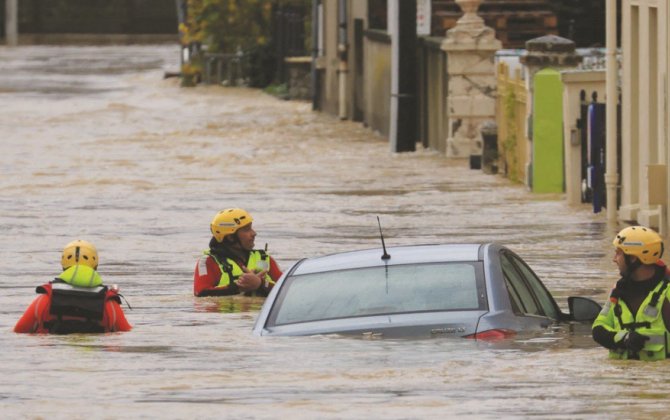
point(64, 309)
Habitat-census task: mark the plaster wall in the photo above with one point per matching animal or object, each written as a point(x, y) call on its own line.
point(644, 111)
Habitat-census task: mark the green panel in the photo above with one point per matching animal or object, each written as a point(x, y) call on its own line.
point(548, 133)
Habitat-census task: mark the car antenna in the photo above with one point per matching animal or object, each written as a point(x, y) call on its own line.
point(385, 256)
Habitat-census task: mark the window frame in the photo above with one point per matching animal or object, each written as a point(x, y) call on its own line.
point(480, 283)
point(516, 264)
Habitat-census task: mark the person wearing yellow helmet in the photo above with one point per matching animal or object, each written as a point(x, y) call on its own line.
point(633, 323)
point(231, 265)
point(76, 301)
point(79, 252)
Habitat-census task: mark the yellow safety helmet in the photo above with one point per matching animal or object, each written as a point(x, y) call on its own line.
point(79, 252)
point(640, 242)
point(228, 221)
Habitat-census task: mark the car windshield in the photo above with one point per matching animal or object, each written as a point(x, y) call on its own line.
point(380, 290)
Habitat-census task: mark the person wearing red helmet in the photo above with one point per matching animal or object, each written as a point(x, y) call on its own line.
point(76, 301)
point(231, 265)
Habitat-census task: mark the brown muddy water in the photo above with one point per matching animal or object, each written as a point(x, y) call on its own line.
point(97, 145)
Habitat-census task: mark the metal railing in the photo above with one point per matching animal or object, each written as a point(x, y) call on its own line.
point(226, 69)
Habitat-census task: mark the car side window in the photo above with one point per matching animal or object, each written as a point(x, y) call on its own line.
point(518, 288)
point(515, 299)
point(546, 301)
point(402, 288)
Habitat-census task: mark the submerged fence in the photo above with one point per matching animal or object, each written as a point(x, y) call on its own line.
point(226, 69)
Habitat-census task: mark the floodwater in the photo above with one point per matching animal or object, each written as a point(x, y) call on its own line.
point(97, 145)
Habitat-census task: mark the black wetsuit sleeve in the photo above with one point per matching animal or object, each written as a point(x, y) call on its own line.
point(605, 338)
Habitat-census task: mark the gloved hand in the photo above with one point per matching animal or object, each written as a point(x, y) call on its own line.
point(634, 341)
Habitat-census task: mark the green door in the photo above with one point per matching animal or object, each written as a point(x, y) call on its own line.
point(547, 173)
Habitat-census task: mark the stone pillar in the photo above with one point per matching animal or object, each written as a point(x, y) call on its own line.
point(470, 48)
point(548, 51)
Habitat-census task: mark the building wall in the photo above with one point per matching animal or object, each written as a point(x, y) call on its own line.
point(644, 112)
point(367, 65)
point(377, 87)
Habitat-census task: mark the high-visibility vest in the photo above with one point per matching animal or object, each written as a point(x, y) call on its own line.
point(231, 271)
point(81, 276)
point(617, 317)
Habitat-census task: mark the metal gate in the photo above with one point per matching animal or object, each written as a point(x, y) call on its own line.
point(288, 35)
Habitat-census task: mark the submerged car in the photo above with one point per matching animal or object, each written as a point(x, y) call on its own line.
point(480, 291)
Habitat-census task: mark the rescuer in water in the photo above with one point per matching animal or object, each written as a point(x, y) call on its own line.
point(76, 301)
point(231, 265)
point(633, 324)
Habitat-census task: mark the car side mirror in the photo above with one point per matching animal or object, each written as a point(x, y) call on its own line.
point(583, 309)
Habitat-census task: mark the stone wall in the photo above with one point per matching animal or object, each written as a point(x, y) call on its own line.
point(299, 77)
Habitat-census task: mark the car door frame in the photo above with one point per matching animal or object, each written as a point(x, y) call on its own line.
point(515, 260)
point(500, 305)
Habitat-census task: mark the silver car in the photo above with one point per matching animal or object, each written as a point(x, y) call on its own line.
point(478, 291)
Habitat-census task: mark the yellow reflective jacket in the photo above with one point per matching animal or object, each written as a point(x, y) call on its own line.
point(231, 271)
point(616, 316)
point(81, 276)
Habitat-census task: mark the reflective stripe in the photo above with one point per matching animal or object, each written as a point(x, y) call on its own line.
point(656, 339)
point(606, 308)
point(112, 327)
point(650, 311)
point(202, 266)
point(66, 286)
point(258, 260)
point(88, 283)
point(81, 275)
point(74, 275)
point(38, 318)
point(37, 314)
point(648, 321)
point(225, 279)
point(91, 278)
point(620, 335)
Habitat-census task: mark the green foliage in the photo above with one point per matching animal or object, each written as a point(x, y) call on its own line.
point(262, 65)
point(280, 90)
point(510, 141)
point(232, 25)
point(238, 26)
point(227, 26)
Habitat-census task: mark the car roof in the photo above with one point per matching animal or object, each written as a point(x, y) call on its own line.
point(411, 254)
point(459, 323)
